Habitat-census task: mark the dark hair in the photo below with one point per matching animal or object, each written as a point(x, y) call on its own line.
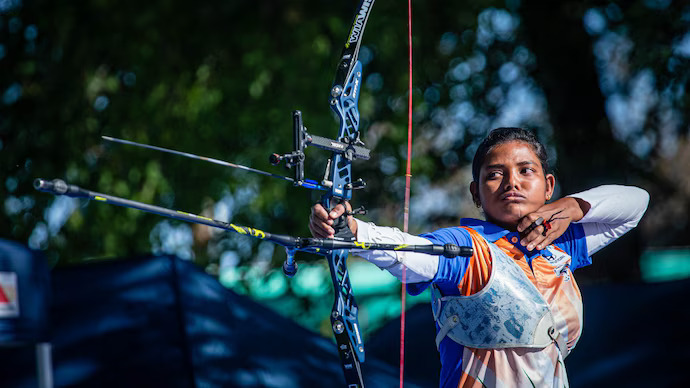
point(503, 135)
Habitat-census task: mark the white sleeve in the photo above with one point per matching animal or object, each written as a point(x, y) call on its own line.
point(420, 267)
point(614, 211)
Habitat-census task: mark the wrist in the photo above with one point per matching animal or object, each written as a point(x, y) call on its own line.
point(359, 228)
point(352, 223)
point(577, 208)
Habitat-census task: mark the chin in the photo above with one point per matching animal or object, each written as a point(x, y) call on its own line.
point(509, 218)
point(514, 212)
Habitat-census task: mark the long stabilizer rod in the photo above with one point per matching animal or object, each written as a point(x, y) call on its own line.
point(305, 244)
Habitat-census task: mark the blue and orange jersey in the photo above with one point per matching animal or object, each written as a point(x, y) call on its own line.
point(550, 270)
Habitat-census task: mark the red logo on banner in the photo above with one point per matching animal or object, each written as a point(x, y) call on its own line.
point(9, 303)
point(3, 297)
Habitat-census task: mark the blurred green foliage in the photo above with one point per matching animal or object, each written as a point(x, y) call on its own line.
point(220, 79)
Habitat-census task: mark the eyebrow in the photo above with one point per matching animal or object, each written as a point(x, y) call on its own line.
point(525, 163)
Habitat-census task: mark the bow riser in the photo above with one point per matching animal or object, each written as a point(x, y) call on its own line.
point(344, 320)
point(344, 105)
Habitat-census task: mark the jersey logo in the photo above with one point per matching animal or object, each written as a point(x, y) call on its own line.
point(559, 260)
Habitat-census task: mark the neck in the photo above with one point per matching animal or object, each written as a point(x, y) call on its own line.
point(511, 226)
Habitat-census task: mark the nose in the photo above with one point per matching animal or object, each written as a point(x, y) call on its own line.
point(511, 181)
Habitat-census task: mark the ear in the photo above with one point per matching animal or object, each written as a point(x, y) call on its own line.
point(550, 185)
point(474, 190)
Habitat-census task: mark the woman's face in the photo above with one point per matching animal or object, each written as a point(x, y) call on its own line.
point(511, 184)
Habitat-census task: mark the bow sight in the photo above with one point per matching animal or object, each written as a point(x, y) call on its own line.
point(350, 150)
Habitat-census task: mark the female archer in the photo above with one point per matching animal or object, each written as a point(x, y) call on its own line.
point(510, 314)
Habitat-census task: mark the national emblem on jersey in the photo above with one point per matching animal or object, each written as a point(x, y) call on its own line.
point(559, 260)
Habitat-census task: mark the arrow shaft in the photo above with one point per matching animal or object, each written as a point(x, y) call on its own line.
point(197, 157)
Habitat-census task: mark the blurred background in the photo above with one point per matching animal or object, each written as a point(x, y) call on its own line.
point(602, 83)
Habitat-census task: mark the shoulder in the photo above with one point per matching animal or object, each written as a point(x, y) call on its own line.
point(448, 235)
point(574, 243)
point(459, 235)
point(450, 271)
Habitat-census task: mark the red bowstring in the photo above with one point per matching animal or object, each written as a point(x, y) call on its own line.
point(408, 175)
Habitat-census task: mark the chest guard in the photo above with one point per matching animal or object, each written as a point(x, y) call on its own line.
point(509, 312)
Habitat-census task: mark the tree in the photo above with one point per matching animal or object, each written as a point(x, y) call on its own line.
point(220, 79)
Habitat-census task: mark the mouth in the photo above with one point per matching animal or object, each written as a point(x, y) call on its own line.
point(512, 196)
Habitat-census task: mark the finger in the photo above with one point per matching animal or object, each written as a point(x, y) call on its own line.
point(529, 233)
point(320, 228)
point(550, 231)
point(319, 212)
point(319, 221)
point(544, 243)
point(550, 235)
point(337, 211)
point(319, 233)
point(526, 222)
point(535, 240)
point(528, 237)
point(315, 232)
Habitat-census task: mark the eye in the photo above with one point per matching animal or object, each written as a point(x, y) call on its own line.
point(527, 170)
point(493, 174)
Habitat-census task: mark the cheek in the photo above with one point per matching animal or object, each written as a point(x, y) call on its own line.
point(539, 186)
point(489, 188)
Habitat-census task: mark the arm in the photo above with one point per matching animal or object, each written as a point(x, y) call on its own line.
point(420, 267)
point(613, 211)
point(605, 212)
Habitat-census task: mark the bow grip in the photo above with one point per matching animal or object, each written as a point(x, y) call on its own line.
point(342, 229)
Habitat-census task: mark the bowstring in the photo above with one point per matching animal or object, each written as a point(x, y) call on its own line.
point(408, 175)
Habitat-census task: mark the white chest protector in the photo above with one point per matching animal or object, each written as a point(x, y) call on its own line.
point(509, 312)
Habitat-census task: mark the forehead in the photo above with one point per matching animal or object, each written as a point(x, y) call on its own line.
point(512, 152)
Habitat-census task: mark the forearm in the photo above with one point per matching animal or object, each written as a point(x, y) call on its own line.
point(614, 205)
point(419, 267)
point(613, 211)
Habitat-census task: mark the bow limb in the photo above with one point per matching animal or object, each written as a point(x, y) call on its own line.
point(344, 97)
